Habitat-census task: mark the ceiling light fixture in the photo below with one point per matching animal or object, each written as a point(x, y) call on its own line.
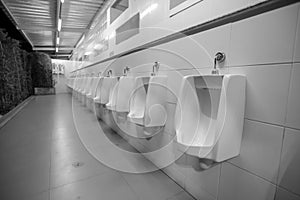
point(148, 10)
point(57, 40)
point(62, 1)
point(59, 24)
point(56, 49)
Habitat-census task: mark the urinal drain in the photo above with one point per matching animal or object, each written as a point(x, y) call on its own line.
point(77, 164)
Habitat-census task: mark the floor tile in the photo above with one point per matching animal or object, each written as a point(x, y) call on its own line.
point(154, 185)
point(289, 173)
point(236, 183)
point(110, 186)
point(181, 196)
point(282, 194)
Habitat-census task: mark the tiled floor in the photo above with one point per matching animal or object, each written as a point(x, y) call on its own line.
point(40, 147)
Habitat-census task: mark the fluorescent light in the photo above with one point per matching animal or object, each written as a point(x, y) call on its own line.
point(57, 40)
point(148, 10)
point(112, 35)
point(98, 46)
point(80, 41)
point(87, 53)
point(56, 49)
point(59, 24)
point(62, 1)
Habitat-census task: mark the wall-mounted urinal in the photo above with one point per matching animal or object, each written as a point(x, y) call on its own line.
point(98, 90)
point(147, 103)
point(103, 92)
point(113, 91)
point(69, 84)
point(79, 85)
point(92, 93)
point(125, 90)
point(209, 116)
point(82, 87)
point(86, 89)
point(76, 82)
point(105, 89)
point(138, 100)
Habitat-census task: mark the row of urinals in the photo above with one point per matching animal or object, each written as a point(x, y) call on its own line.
point(209, 112)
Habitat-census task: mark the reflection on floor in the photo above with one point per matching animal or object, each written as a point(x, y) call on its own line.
point(42, 158)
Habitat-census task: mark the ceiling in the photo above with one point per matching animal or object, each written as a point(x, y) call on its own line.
point(38, 21)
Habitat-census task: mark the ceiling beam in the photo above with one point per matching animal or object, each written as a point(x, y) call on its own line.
point(61, 55)
point(10, 15)
point(45, 28)
point(52, 48)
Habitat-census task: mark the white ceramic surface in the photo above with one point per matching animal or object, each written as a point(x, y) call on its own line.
point(210, 115)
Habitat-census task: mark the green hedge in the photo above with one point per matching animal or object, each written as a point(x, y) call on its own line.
point(20, 72)
point(41, 70)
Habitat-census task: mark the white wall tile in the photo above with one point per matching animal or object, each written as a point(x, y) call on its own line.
point(198, 50)
point(297, 42)
point(260, 150)
point(236, 183)
point(221, 8)
point(282, 194)
point(289, 173)
point(267, 91)
point(293, 108)
point(266, 38)
point(203, 184)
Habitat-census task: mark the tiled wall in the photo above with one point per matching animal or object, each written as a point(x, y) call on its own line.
point(265, 48)
point(158, 23)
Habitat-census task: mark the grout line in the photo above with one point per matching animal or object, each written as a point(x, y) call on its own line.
point(261, 64)
point(219, 182)
point(287, 190)
point(280, 157)
point(183, 189)
point(75, 181)
point(225, 67)
point(50, 167)
point(296, 36)
point(269, 123)
point(289, 92)
point(252, 173)
point(130, 187)
point(273, 124)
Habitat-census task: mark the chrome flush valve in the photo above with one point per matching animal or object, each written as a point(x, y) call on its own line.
point(155, 68)
point(219, 58)
point(126, 70)
point(109, 73)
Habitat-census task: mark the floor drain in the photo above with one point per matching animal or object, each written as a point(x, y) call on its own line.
point(77, 164)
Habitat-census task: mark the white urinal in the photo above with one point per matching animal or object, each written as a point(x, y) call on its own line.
point(79, 87)
point(103, 90)
point(125, 90)
point(92, 89)
point(138, 100)
point(86, 90)
point(92, 93)
point(112, 100)
point(82, 87)
point(147, 104)
point(209, 116)
point(98, 90)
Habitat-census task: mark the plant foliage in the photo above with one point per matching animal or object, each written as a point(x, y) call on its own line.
point(20, 72)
